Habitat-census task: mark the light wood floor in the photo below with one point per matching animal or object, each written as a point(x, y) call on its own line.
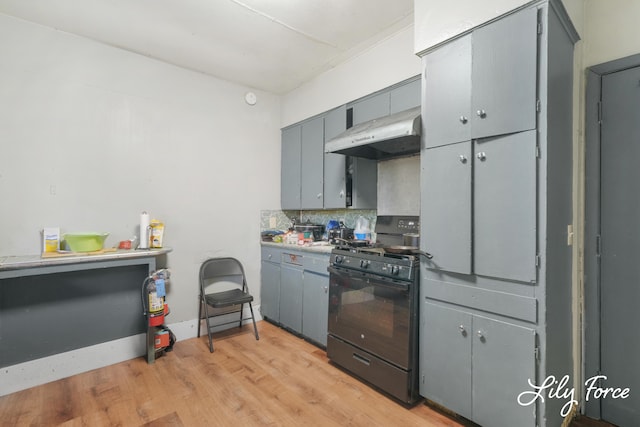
point(280, 380)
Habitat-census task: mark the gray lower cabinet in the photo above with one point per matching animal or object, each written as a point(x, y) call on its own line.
point(315, 301)
point(495, 208)
point(475, 365)
point(270, 291)
point(291, 291)
point(294, 291)
point(270, 284)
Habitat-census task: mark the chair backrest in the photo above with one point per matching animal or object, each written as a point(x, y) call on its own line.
point(215, 269)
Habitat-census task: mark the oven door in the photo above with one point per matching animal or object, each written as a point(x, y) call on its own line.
point(372, 313)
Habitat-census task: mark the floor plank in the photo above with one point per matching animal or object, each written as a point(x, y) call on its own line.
point(280, 380)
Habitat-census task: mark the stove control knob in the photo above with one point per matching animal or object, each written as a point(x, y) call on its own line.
point(339, 259)
point(364, 263)
point(395, 270)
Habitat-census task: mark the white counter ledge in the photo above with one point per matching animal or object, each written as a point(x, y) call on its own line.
point(24, 265)
point(319, 249)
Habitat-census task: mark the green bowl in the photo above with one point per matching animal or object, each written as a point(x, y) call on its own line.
point(85, 242)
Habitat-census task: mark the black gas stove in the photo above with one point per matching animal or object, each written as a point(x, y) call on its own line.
point(378, 258)
point(373, 310)
point(376, 261)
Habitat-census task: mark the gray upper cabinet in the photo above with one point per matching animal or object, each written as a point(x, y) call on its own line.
point(290, 168)
point(312, 162)
point(302, 169)
point(335, 122)
point(504, 206)
point(405, 96)
point(447, 103)
point(484, 221)
point(503, 90)
point(313, 179)
point(446, 178)
point(484, 83)
point(340, 171)
point(370, 108)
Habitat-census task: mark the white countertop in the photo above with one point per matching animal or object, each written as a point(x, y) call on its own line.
point(316, 247)
point(15, 262)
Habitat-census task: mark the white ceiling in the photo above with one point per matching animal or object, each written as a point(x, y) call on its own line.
point(272, 45)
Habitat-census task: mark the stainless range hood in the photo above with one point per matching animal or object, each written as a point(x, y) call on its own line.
point(380, 139)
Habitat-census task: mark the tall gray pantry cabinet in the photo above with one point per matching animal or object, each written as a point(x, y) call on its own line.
point(496, 177)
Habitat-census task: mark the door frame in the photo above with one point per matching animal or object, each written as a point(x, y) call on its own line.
point(591, 324)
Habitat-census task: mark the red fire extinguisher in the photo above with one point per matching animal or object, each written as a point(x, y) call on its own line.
point(154, 297)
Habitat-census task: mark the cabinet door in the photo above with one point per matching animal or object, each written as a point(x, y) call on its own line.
point(447, 94)
point(445, 357)
point(504, 205)
point(291, 297)
point(371, 108)
point(312, 164)
point(504, 74)
point(290, 168)
point(503, 361)
point(335, 122)
point(446, 206)
point(270, 291)
point(315, 306)
point(406, 96)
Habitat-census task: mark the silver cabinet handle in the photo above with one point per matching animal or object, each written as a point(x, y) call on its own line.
point(341, 194)
point(326, 289)
point(463, 158)
point(463, 120)
point(319, 195)
point(480, 334)
point(481, 113)
point(481, 155)
point(461, 328)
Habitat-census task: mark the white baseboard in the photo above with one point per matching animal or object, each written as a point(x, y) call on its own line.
point(51, 368)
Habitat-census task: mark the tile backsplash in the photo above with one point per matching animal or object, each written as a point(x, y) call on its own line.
point(283, 219)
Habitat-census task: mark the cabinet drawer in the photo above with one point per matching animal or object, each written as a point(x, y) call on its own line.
point(271, 254)
point(316, 264)
point(292, 258)
point(501, 303)
point(366, 365)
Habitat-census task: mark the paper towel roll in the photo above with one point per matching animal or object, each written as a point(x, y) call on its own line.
point(144, 231)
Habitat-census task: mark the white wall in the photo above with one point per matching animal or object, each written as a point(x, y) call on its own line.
point(611, 30)
point(388, 62)
point(91, 135)
point(437, 21)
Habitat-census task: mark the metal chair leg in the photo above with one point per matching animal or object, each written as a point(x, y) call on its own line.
point(255, 329)
point(240, 322)
point(199, 316)
point(209, 331)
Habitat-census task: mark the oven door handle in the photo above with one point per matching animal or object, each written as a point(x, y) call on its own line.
point(378, 280)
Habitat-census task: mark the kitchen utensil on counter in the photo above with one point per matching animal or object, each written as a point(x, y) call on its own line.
point(85, 242)
point(314, 230)
point(407, 250)
point(342, 233)
point(362, 230)
point(411, 239)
